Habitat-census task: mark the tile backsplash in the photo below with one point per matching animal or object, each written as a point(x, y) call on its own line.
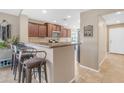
point(46, 39)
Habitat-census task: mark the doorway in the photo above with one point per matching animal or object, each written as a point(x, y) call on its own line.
point(115, 32)
point(116, 40)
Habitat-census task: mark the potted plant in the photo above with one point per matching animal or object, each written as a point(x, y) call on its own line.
point(5, 50)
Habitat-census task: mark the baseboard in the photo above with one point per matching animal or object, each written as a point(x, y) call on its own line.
point(116, 53)
point(89, 68)
point(72, 80)
point(102, 61)
point(95, 69)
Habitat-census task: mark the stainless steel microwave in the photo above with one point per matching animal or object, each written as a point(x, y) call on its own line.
point(56, 35)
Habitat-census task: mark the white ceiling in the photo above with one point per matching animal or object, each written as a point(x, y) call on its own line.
point(114, 18)
point(52, 15)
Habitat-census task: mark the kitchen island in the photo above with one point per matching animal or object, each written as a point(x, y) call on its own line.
point(60, 60)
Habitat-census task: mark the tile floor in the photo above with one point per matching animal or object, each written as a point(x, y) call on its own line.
point(112, 70)
point(6, 76)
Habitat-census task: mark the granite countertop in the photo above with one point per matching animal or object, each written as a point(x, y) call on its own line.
point(55, 45)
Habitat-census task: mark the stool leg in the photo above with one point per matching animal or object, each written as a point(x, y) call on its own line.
point(28, 75)
point(45, 71)
point(23, 75)
point(34, 73)
point(19, 70)
point(15, 68)
point(39, 73)
point(12, 61)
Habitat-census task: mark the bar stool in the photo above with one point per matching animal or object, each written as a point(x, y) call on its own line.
point(24, 54)
point(14, 60)
point(34, 63)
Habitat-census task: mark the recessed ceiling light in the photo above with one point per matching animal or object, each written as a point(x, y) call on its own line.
point(118, 13)
point(68, 16)
point(65, 24)
point(117, 21)
point(54, 21)
point(44, 11)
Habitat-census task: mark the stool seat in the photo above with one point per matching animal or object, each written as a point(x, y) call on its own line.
point(34, 62)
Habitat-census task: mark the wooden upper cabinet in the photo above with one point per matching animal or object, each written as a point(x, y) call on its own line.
point(54, 27)
point(58, 28)
point(33, 30)
point(64, 33)
point(45, 30)
point(42, 30)
point(49, 29)
point(61, 31)
point(30, 33)
point(69, 33)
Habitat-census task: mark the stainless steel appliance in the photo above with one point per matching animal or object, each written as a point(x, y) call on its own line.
point(56, 35)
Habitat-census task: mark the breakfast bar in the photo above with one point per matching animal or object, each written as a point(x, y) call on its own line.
point(60, 60)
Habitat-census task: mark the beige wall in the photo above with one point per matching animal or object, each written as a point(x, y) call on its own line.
point(89, 50)
point(23, 28)
point(13, 20)
point(102, 39)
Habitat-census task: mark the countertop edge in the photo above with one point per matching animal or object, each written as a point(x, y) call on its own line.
point(54, 45)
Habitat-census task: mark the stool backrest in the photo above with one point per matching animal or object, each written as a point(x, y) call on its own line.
point(25, 54)
point(14, 48)
point(42, 54)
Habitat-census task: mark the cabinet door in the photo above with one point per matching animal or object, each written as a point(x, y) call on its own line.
point(58, 28)
point(49, 26)
point(54, 27)
point(42, 30)
point(33, 30)
point(30, 31)
point(61, 31)
point(64, 33)
point(69, 33)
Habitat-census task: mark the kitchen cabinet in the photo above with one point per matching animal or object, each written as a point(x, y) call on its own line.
point(69, 33)
point(33, 29)
point(37, 30)
point(58, 28)
point(45, 30)
point(61, 31)
point(65, 32)
point(49, 29)
point(42, 30)
point(52, 27)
